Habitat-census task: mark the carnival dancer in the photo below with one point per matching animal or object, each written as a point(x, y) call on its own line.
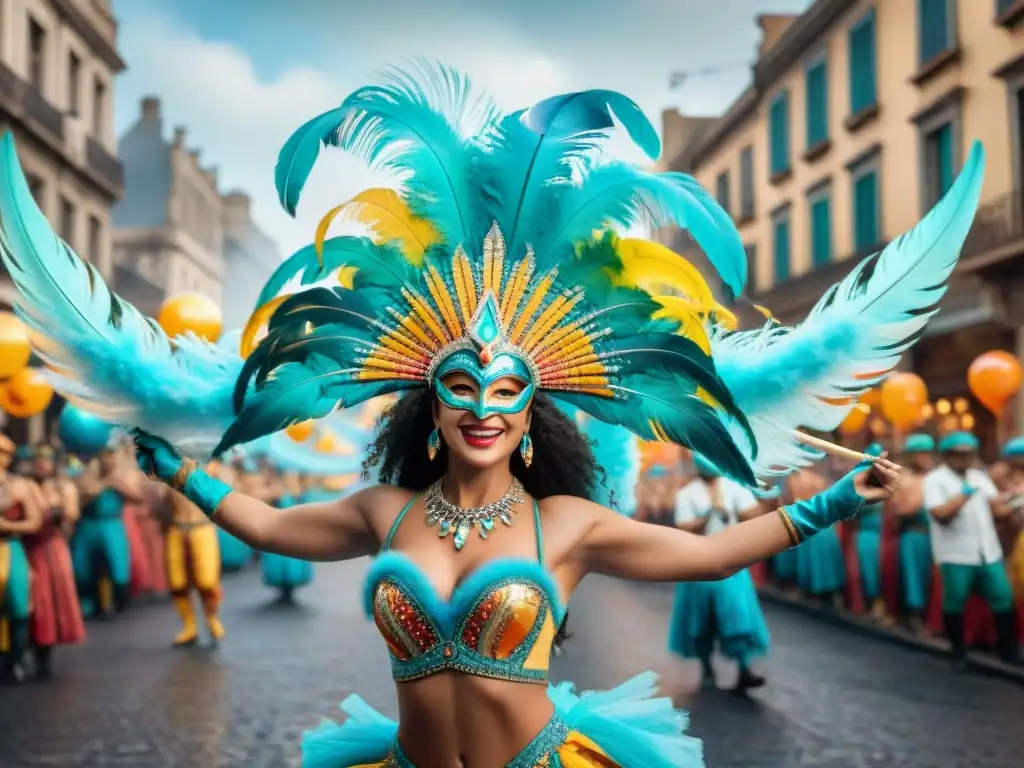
point(725, 612)
point(820, 567)
point(962, 502)
point(490, 286)
point(56, 612)
point(235, 554)
point(19, 516)
point(193, 563)
point(869, 553)
point(99, 547)
point(915, 545)
point(280, 572)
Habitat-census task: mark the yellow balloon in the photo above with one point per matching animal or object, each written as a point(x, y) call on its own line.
point(15, 350)
point(300, 432)
point(327, 442)
point(26, 393)
point(191, 312)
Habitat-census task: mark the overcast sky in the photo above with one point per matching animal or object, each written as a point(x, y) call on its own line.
point(242, 74)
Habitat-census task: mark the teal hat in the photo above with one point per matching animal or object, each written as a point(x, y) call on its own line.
point(958, 441)
point(704, 467)
point(1013, 448)
point(657, 471)
point(875, 449)
point(24, 452)
point(919, 443)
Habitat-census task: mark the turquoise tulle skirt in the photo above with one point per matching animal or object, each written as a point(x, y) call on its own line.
point(629, 724)
point(784, 565)
point(916, 569)
point(820, 565)
point(726, 611)
point(234, 553)
point(280, 571)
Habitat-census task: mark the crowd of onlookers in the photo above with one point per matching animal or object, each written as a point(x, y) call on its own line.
point(884, 564)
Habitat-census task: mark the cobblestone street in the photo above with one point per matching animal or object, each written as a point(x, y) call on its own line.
point(834, 698)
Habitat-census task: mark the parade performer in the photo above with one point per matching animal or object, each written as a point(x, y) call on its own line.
point(20, 515)
point(56, 613)
point(193, 562)
point(235, 554)
point(820, 566)
point(286, 574)
point(915, 546)
point(963, 503)
point(486, 290)
point(99, 547)
point(726, 612)
point(869, 552)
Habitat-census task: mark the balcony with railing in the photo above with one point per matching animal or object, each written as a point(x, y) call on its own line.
point(105, 165)
point(997, 234)
point(23, 102)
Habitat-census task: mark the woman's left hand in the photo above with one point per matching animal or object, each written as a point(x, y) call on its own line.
point(878, 482)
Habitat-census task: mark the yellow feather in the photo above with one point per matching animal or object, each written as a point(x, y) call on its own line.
point(384, 212)
point(345, 276)
point(256, 328)
point(685, 313)
point(766, 312)
point(725, 318)
point(657, 270)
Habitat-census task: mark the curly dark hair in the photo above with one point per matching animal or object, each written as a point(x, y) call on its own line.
point(563, 463)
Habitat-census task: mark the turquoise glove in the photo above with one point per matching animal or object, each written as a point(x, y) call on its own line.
point(840, 502)
point(158, 459)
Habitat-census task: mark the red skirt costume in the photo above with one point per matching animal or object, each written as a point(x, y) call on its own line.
point(57, 615)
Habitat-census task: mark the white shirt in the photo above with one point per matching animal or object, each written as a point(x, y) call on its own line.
point(696, 500)
point(969, 538)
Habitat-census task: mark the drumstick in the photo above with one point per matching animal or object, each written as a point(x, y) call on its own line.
point(832, 448)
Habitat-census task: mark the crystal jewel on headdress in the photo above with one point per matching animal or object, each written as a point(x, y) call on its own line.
point(485, 327)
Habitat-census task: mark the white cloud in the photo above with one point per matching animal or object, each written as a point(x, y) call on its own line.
point(240, 121)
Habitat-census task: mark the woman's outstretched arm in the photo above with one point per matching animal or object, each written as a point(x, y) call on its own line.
point(335, 530)
point(618, 546)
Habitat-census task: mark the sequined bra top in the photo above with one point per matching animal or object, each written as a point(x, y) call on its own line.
point(499, 622)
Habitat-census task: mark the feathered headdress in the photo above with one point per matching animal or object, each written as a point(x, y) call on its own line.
point(499, 242)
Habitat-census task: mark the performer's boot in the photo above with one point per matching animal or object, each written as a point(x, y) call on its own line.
point(189, 631)
point(287, 595)
point(954, 624)
point(747, 678)
point(211, 604)
point(707, 673)
point(11, 670)
point(1008, 640)
point(43, 671)
point(122, 597)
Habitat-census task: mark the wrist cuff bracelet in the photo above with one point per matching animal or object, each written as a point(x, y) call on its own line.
point(177, 482)
point(791, 529)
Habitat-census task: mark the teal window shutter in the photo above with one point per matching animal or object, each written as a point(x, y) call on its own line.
point(781, 249)
point(866, 233)
point(817, 103)
point(935, 34)
point(944, 158)
point(747, 183)
point(779, 130)
point(722, 194)
point(862, 64)
point(821, 231)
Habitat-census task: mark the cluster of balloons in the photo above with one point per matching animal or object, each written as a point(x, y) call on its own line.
point(24, 391)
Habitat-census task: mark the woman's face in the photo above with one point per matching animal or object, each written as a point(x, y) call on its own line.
point(483, 442)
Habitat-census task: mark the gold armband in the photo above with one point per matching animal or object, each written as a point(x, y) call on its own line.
point(188, 466)
point(794, 534)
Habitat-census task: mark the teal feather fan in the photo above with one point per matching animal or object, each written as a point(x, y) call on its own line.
point(616, 451)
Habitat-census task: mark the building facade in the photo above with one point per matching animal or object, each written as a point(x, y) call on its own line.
point(168, 229)
point(859, 115)
point(58, 61)
point(250, 257)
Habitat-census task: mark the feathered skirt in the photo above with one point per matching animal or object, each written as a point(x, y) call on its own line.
point(626, 727)
point(726, 611)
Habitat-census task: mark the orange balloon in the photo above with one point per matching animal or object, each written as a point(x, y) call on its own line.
point(15, 349)
point(872, 398)
point(26, 393)
point(327, 442)
point(994, 377)
point(904, 395)
point(191, 312)
point(855, 420)
point(300, 432)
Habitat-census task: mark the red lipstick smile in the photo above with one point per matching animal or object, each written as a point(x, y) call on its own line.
point(480, 437)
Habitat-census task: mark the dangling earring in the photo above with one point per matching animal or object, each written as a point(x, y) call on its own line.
point(433, 444)
point(526, 449)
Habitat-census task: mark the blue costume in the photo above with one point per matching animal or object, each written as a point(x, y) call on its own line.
point(497, 259)
point(916, 564)
point(100, 548)
point(869, 548)
point(285, 573)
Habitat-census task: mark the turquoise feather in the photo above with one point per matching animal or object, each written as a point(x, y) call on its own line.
point(117, 363)
point(854, 335)
point(300, 152)
point(616, 451)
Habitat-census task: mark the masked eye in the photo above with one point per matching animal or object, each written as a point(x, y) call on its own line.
point(462, 390)
point(506, 394)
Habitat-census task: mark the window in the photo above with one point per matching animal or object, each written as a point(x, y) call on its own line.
point(722, 190)
point(938, 158)
point(779, 133)
point(67, 221)
point(817, 102)
point(95, 239)
point(37, 188)
point(862, 64)
point(781, 242)
point(866, 231)
point(820, 203)
point(747, 183)
point(99, 107)
point(752, 274)
point(74, 84)
point(36, 53)
point(1003, 5)
point(935, 28)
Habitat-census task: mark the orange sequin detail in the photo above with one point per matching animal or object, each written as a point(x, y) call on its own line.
point(503, 621)
point(403, 627)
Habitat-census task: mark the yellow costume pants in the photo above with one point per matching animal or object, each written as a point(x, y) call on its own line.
point(193, 560)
